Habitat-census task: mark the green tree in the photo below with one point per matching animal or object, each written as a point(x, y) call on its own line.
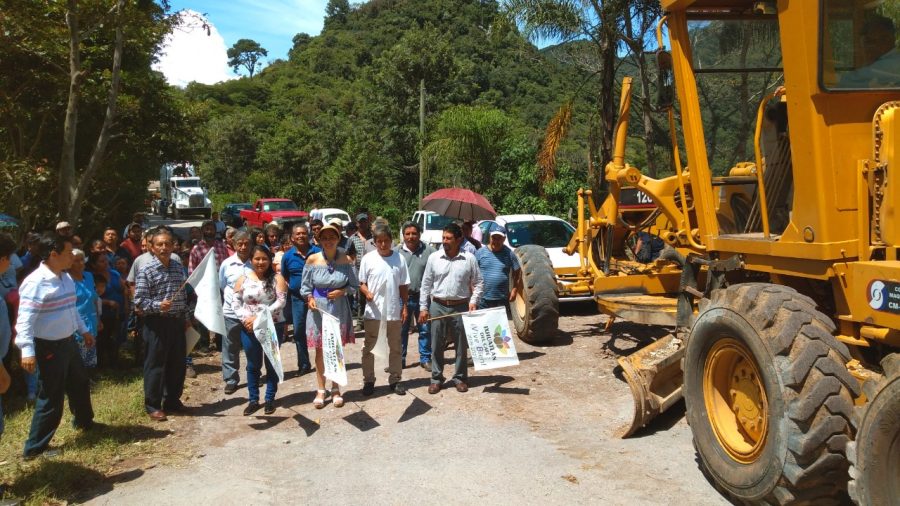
point(246, 53)
point(336, 11)
point(595, 32)
point(83, 75)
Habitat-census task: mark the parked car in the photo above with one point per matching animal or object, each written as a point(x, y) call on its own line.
point(329, 213)
point(231, 213)
point(550, 232)
point(432, 225)
point(282, 212)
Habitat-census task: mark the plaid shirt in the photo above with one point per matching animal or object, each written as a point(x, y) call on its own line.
point(202, 248)
point(156, 283)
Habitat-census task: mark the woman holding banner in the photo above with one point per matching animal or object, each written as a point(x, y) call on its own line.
point(253, 292)
point(329, 280)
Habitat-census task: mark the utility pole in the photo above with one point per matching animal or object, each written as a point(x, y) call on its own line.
point(421, 140)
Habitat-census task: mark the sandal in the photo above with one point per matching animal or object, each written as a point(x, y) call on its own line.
point(336, 398)
point(319, 401)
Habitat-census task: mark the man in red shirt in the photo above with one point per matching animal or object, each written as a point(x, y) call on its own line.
point(206, 243)
point(132, 243)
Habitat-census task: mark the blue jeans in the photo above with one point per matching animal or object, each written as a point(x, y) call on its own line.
point(255, 358)
point(412, 311)
point(298, 316)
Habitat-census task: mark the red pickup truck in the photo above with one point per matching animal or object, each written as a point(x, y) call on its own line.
point(282, 212)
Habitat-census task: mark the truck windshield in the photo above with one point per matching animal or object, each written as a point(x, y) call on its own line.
point(736, 62)
point(280, 205)
point(187, 183)
point(546, 233)
point(860, 45)
point(437, 221)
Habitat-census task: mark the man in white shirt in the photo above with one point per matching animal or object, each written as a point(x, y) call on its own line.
point(451, 284)
point(384, 282)
point(230, 271)
point(45, 326)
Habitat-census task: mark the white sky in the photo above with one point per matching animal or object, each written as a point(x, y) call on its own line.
point(189, 54)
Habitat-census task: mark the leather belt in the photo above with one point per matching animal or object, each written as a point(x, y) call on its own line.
point(449, 302)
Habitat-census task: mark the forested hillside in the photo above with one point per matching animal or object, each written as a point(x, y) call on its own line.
point(337, 123)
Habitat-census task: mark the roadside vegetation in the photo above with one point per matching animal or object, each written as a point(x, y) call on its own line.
point(90, 460)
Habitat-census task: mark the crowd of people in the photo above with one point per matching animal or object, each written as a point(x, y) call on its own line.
point(69, 309)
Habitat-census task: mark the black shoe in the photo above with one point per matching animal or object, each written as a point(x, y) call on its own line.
point(398, 389)
point(251, 408)
point(303, 370)
point(230, 388)
point(174, 406)
point(270, 407)
point(368, 388)
point(426, 365)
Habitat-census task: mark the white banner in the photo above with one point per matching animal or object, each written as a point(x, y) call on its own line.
point(205, 280)
point(264, 329)
point(490, 341)
point(333, 349)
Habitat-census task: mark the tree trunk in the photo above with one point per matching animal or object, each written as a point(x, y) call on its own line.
point(99, 152)
point(67, 160)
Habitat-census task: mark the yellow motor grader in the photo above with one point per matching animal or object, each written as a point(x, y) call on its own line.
point(780, 273)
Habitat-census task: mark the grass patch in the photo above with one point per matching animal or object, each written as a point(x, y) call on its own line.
point(87, 456)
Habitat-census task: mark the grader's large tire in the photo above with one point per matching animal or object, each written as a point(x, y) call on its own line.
point(875, 454)
point(769, 398)
point(535, 311)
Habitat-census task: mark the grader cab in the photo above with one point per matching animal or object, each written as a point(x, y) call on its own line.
point(780, 271)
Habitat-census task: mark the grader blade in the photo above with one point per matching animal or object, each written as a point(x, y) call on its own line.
point(655, 377)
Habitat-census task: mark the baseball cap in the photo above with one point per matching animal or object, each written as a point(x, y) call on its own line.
point(336, 221)
point(496, 229)
point(63, 224)
point(362, 216)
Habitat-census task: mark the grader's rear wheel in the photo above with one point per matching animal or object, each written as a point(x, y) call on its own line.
point(769, 398)
point(535, 312)
point(875, 454)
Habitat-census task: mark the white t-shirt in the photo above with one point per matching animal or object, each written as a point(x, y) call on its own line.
point(383, 276)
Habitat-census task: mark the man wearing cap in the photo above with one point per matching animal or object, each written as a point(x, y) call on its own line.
point(496, 262)
point(361, 245)
point(64, 228)
point(452, 282)
point(131, 246)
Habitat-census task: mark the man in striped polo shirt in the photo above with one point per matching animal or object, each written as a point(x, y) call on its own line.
point(45, 326)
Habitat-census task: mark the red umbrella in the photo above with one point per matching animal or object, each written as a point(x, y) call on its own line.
point(459, 203)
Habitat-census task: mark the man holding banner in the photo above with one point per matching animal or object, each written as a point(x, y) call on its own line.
point(384, 282)
point(453, 283)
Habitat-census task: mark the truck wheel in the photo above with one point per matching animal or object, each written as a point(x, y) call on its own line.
point(769, 398)
point(875, 454)
point(176, 214)
point(535, 312)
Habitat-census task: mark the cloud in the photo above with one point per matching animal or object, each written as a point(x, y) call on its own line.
point(189, 53)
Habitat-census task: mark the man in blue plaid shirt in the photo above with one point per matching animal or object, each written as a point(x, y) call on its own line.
point(159, 294)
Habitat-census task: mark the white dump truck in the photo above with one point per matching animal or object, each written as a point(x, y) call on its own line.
point(181, 192)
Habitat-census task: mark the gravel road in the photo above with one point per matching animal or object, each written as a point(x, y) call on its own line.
point(538, 433)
